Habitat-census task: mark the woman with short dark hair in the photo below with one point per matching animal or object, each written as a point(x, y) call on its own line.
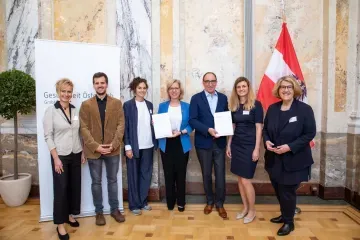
point(139, 140)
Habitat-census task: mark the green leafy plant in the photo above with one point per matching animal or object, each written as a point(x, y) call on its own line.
point(17, 95)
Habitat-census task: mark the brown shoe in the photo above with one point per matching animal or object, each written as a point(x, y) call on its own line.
point(208, 209)
point(222, 212)
point(118, 216)
point(100, 220)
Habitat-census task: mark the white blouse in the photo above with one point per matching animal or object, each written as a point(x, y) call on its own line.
point(175, 117)
point(144, 127)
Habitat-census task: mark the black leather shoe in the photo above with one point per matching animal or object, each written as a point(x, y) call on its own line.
point(62, 237)
point(286, 229)
point(278, 219)
point(181, 209)
point(73, 224)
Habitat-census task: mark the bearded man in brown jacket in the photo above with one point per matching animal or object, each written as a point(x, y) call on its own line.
point(102, 129)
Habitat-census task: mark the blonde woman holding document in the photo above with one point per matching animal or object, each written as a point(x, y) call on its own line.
point(175, 149)
point(244, 146)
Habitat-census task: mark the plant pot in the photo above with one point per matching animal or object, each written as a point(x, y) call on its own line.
point(15, 192)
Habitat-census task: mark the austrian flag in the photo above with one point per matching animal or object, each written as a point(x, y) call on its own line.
point(283, 62)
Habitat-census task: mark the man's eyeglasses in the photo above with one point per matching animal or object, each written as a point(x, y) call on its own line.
point(210, 81)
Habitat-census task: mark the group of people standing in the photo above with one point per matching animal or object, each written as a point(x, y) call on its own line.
point(96, 132)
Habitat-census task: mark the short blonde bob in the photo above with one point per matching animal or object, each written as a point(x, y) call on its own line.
point(289, 79)
point(61, 83)
point(170, 83)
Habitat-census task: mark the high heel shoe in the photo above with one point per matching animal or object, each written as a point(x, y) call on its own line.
point(62, 237)
point(73, 224)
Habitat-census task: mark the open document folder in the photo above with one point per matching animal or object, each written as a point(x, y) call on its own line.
point(162, 125)
point(223, 124)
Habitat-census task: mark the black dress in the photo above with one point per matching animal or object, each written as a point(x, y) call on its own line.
point(244, 140)
point(278, 173)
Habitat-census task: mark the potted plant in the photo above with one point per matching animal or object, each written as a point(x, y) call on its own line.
point(17, 96)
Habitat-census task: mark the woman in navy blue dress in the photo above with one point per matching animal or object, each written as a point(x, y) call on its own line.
point(244, 147)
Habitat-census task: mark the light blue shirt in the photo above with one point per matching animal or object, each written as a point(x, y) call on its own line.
point(212, 100)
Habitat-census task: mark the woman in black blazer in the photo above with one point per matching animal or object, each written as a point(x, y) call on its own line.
point(289, 127)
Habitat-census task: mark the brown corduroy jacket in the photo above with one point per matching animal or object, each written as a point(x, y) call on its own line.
point(91, 128)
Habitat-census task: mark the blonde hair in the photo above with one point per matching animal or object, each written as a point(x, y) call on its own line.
point(289, 79)
point(170, 83)
point(234, 104)
point(64, 81)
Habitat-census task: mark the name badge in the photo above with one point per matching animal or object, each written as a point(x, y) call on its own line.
point(76, 118)
point(246, 112)
point(150, 111)
point(293, 119)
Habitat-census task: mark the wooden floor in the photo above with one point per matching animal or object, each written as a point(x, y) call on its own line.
point(315, 222)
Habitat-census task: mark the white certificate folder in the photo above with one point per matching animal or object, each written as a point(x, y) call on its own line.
point(162, 125)
point(223, 124)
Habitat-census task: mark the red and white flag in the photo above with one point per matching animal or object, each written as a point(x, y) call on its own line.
point(283, 62)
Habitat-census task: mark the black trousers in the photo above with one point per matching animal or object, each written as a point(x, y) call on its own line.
point(174, 162)
point(286, 195)
point(208, 158)
point(67, 188)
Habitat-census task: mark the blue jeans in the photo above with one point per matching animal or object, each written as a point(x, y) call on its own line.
point(112, 168)
point(139, 172)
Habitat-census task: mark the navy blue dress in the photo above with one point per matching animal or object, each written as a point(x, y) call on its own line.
point(244, 140)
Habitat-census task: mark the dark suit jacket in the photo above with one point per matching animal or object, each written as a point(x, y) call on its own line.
point(297, 134)
point(131, 125)
point(201, 119)
point(91, 127)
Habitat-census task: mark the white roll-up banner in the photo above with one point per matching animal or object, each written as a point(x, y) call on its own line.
point(78, 62)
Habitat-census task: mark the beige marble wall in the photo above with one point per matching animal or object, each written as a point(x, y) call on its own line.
point(214, 41)
point(166, 45)
point(306, 37)
point(3, 63)
point(341, 52)
point(80, 21)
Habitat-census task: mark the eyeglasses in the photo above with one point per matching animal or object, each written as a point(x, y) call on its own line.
point(174, 89)
point(289, 87)
point(210, 81)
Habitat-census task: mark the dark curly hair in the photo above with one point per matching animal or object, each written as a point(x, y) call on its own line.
point(135, 83)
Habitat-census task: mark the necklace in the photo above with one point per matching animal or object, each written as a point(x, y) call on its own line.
point(63, 107)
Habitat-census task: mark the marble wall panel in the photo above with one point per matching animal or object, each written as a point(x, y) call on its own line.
point(46, 19)
point(306, 37)
point(341, 52)
point(166, 43)
point(134, 38)
point(214, 41)
point(27, 155)
point(3, 59)
point(351, 161)
point(334, 155)
point(80, 21)
point(21, 31)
